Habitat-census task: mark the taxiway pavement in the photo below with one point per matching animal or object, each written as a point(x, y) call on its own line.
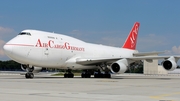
point(124, 87)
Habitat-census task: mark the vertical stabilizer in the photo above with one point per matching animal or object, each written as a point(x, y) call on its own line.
point(131, 40)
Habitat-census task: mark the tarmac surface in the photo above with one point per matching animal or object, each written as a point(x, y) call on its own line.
point(126, 87)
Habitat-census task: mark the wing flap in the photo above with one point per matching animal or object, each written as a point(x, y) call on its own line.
point(147, 53)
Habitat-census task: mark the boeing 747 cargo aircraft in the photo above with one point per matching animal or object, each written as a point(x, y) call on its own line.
point(35, 49)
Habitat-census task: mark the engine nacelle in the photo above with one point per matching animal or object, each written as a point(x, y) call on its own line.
point(170, 64)
point(33, 69)
point(119, 66)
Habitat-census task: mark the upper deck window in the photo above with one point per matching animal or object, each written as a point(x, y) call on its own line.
point(24, 33)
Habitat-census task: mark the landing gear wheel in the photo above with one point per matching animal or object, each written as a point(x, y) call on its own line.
point(86, 74)
point(68, 74)
point(29, 75)
point(102, 75)
point(99, 74)
point(107, 75)
point(71, 75)
point(65, 75)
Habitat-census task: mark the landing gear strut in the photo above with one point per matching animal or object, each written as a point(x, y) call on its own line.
point(105, 74)
point(68, 74)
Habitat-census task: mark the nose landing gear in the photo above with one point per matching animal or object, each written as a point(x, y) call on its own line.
point(29, 75)
point(29, 70)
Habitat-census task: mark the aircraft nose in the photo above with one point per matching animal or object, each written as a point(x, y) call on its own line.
point(7, 49)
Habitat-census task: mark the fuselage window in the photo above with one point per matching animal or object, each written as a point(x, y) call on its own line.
point(24, 33)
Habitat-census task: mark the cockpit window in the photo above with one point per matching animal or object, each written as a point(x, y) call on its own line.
point(24, 33)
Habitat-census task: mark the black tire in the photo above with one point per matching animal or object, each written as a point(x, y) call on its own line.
point(107, 75)
point(27, 76)
point(101, 75)
point(82, 76)
point(97, 75)
point(70, 75)
point(31, 75)
point(88, 75)
point(65, 75)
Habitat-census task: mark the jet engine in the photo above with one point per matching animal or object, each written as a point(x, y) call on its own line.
point(119, 66)
point(33, 69)
point(170, 64)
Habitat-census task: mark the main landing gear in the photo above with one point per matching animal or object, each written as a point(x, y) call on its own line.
point(68, 74)
point(99, 74)
point(86, 74)
point(105, 74)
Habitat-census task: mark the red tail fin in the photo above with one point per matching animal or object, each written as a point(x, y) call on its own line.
point(131, 40)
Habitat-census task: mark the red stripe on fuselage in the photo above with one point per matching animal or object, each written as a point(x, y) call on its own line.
point(19, 45)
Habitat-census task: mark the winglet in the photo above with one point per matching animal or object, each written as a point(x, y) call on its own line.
point(131, 40)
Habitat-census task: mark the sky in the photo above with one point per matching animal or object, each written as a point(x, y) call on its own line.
point(106, 22)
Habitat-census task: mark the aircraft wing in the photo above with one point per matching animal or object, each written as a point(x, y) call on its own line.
point(94, 61)
point(153, 57)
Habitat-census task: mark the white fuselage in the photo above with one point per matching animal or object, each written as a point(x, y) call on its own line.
point(44, 49)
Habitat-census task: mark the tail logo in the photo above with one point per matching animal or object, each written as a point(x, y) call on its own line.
point(134, 35)
point(131, 40)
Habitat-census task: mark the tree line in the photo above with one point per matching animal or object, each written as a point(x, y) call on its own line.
point(10, 65)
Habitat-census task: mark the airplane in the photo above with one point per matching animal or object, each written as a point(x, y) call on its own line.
point(35, 49)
